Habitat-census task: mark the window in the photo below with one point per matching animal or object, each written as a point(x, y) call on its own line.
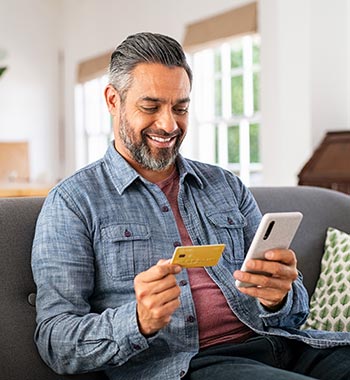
point(94, 127)
point(226, 106)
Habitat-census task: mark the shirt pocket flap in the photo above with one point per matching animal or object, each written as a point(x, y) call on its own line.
point(126, 232)
point(227, 218)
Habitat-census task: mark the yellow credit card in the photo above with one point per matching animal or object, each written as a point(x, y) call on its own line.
point(197, 255)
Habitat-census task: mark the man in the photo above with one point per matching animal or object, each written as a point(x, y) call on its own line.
point(108, 297)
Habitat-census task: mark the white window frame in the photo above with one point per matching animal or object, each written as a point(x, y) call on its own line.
point(203, 106)
point(93, 124)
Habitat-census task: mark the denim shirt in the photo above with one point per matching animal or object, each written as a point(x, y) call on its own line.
point(104, 225)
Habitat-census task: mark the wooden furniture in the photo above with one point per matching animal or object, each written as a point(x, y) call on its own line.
point(329, 166)
point(14, 161)
point(24, 189)
point(15, 172)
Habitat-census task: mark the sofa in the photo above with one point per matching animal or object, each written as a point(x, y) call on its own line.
point(19, 359)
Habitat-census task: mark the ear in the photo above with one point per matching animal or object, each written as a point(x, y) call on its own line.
point(112, 99)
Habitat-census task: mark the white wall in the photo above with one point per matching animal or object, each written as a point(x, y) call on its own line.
point(329, 66)
point(285, 89)
point(29, 95)
point(305, 80)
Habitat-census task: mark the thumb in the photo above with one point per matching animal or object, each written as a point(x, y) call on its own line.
point(163, 262)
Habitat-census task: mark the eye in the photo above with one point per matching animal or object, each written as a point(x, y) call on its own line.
point(149, 109)
point(181, 110)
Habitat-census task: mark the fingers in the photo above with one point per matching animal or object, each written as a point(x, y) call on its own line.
point(157, 296)
point(285, 256)
point(271, 278)
point(159, 271)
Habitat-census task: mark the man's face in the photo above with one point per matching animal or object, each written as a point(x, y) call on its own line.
point(152, 121)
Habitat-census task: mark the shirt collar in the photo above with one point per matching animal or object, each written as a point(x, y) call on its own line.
point(123, 174)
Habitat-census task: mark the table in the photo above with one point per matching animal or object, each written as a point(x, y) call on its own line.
point(24, 189)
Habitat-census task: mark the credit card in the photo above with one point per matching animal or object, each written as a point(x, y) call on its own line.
point(194, 256)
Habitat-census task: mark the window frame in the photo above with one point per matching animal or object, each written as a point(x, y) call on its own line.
point(206, 120)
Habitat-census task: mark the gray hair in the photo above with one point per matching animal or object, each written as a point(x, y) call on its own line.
point(144, 47)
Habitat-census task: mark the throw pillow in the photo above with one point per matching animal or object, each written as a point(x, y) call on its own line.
point(330, 303)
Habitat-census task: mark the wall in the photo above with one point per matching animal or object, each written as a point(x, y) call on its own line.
point(329, 67)
point(29, 96)
point(285, 89)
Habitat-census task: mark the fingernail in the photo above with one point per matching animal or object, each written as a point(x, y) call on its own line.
point(269, 255)
point(178, 269)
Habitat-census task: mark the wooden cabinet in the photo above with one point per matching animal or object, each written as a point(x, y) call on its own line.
point(329, 166)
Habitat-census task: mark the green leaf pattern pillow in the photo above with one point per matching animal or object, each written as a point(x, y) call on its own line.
point(330, 303)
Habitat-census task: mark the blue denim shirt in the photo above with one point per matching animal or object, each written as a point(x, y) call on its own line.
point(105, 224)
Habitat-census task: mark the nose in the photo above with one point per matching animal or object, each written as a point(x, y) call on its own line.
point(167, 122)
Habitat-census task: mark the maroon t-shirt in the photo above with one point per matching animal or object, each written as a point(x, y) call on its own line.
point(216, 321)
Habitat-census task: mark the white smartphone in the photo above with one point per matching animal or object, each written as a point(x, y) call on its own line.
point(276, 231)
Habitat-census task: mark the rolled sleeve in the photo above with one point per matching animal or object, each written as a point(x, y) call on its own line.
point(293, 312)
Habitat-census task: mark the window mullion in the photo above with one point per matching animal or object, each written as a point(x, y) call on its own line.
point(226, 80)
point(226, 104)
point(248, 76)
point(245, 151)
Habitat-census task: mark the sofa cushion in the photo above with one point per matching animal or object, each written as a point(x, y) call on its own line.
point(330, 303)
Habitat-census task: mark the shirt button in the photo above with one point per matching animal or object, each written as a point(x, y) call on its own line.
point(127, 233)
point(182, 373)
point(136, 347)
point(176, 244)
point(229, 220)
point(183, 283)
point(190, 319)
point(165, 208)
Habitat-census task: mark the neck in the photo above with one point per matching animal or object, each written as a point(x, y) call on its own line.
point(155, 176)
point(151, 175)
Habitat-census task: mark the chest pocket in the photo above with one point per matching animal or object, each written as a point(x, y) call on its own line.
point(228, 228)
point(126, 249)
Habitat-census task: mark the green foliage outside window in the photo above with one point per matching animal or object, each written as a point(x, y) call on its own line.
point(256, 54)
point(217, 61)
point(256, 91)
point(236, 57)
point(218, 97)
point(254, 143)
point(237, 95)
point(233, 144)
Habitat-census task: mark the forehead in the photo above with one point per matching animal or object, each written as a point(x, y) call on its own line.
point(159, 81)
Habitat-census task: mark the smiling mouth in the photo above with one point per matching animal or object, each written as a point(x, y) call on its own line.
point(161, 139)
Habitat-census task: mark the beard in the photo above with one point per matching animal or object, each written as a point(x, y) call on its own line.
point(141, 152)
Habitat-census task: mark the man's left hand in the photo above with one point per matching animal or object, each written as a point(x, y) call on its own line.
point(270, 290)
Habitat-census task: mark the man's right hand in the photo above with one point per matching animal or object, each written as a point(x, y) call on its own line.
point(157, 296)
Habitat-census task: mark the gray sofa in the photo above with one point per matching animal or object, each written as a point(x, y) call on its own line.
point(19, 359)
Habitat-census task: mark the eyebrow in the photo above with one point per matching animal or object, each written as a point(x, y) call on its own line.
point(162, 100)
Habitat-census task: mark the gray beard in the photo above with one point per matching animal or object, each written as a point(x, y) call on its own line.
point(141, 152)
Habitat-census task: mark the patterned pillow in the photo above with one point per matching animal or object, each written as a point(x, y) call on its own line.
point(330, 303)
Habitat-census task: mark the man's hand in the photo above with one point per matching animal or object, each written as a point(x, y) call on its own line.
point(270, 290)
point(157, 296)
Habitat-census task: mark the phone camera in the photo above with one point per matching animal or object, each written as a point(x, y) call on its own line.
point(269, 229)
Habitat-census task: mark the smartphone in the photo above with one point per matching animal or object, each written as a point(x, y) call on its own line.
point(195, 256)
point(276, 231)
